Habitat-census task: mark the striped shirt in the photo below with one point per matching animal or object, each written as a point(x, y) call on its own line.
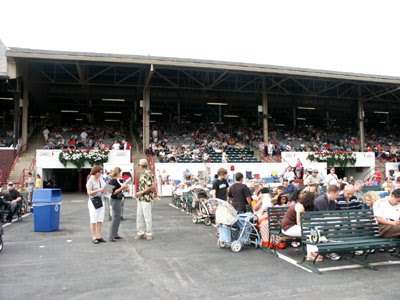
point(343, 204)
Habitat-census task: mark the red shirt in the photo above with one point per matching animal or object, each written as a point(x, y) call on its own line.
point(378, 176)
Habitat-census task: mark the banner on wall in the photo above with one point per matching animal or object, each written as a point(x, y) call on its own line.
point(127, 172)
point(363, 159)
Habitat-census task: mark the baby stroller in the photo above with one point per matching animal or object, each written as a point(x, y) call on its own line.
point(235, 230)
point(204, 209)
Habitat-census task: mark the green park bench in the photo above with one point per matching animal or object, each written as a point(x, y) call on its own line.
point(343, 232)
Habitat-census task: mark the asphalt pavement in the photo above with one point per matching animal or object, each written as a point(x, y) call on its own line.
point(182, 262)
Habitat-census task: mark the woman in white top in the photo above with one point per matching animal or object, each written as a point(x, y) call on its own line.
point(95, 187)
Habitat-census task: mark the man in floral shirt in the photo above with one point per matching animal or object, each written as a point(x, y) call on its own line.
point(145, 198)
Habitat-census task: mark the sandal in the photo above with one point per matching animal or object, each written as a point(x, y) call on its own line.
point(101, 240)
point(95, 241)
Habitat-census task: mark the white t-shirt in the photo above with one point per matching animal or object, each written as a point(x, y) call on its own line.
point(396, 175)
point(289, 175)
point(331, 179)
point(46, 132)
point(384, 209)
point(116, 146)
point(84, 135)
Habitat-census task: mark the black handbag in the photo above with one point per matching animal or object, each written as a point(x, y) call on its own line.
point(97, 202)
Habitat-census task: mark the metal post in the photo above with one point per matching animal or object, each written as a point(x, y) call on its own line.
point(327, 119)
point(25, 113)
point(387, 122)
point(134, 112)
point(146, 118)
point(16, 113)
point(294, 118)
point(361, 122)
point(179, 112)
point(265, 114)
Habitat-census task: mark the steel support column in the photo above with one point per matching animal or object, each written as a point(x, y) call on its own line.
point(361, 131)
point(327, 119)
point(16, 112)
point(146, 118)
point(146, 109)
point(294, 118)
point(179, 112)
point(265, 115)
point(25, 114)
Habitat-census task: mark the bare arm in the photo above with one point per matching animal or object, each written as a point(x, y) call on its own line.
point(386, 222)
point(91, 192)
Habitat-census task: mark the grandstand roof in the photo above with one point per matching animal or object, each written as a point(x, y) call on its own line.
point(25, 53)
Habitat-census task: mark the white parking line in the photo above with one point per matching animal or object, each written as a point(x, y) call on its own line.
point(383, 263)
point(15, 220)
point(338, 268)
point(292, 261)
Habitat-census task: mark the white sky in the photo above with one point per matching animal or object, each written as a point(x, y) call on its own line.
point(353, 36)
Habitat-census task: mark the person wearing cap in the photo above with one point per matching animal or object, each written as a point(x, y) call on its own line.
point(313, 180)
point(12, 199)
point(145, 198)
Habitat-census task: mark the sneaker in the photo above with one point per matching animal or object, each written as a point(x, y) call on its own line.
point(138, 237)
point(295, 244)
point(149, 237)
point(359, 252)
point(333, 256)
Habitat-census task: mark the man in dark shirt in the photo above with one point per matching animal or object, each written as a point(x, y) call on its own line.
point(288, 187)
point(239, 194)
point(12, 200)
point(220, 185)
point(347, 200)
point(327, 201)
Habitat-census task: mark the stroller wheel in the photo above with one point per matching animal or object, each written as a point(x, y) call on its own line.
point(194, 219)
point(236, 246)
point(220, 244)
point(207, 221)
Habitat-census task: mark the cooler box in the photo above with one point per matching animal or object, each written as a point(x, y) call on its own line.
point(47, 204)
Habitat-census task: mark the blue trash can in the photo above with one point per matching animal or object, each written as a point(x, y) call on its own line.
point(46, 204)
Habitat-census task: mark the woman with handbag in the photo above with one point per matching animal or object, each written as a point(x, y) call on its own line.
point(95, 187)
point(116, 202)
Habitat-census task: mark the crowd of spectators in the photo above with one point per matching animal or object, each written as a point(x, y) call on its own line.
point(170, 142)
point(85, 137)
point(312, 139)
point(339, 194)
point(175, 143)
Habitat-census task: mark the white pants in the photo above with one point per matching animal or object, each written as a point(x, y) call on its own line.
point(295, 231)
point(144, 221)
point(96, 215)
